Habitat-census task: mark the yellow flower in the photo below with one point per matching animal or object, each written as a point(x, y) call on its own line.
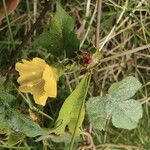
point(37, 78)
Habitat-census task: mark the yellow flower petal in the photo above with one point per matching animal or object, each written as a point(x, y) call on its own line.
point(36, 64)
point(38, 87)
point(50, 78)
point(24, 89)
point(40, 62)
point(40, 99)
point(25, 61)
point(29, 76)
point(38, 92)
point(33, 86)
point(25, 68)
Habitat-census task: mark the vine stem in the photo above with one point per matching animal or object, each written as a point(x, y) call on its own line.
point(80, 110)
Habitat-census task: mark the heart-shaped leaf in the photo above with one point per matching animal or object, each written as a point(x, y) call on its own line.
point(127, 114)
point(124, 89)
point(96, 110)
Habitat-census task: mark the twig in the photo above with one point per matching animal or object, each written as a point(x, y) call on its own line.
point(89, 145)
point(98, 18)
point(89, 27)
point(34, 13)
point(114, 27)
point(8, 23)
point(80, 30)
point(127, 147)
point(126, 53)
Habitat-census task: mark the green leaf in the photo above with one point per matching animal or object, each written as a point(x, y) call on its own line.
point(73, 105)
point(3, 130)
point(127, 114)
point(64, 138)
point(124, 113)
point(11, 119)
point(60, 40)
point(124, 89)
point(2, 80)
point(5, 95)
point(96, 110)
point(14, 138)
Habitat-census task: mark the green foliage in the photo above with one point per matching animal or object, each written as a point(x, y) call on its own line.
point(13, 120)
point(2, 80)
point(64, 138)
point(60, 40)
point(125, 112)
point(3, 93)
point(5, 96)
point(73, 105)
point(14, 138)
point(96, 112)
point(124, 89)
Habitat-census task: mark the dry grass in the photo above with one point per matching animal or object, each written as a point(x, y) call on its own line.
point(123, 39)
